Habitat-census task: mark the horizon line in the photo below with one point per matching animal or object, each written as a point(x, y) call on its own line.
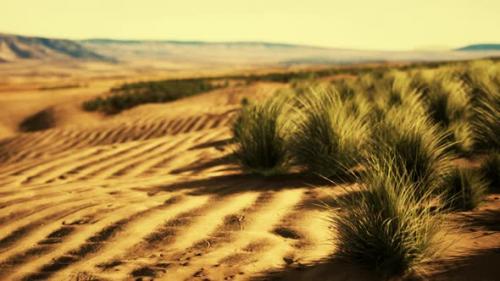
point(289, 44)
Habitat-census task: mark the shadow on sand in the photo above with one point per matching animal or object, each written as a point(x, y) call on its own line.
point(488, 220)
point(331, 270)
point(480, 265)
point(235, 183)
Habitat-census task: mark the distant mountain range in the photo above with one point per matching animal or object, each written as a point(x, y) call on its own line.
point(170, 52)
point(481, 47)
point(104, 41)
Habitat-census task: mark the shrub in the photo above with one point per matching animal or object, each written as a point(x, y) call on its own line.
point(385, 227)
point(260, 132)
point(330, 133)
point(244, 101)
point(39, 121)
point(92, 105)
point(465, 189)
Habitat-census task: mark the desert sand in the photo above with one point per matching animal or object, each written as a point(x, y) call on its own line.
point(151, 194)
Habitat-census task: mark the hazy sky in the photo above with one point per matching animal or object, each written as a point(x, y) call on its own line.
point(365, 24)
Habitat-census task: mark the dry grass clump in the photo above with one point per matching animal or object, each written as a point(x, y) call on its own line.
point(486, 109)
point(419, 147)
point(449, 104)
point(393, 223)
point(260, 133)
point(386, 227)
point(447, 99)
point(331, 133)
point(402, 129)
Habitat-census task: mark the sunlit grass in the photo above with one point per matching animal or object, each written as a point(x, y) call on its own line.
point(386, 227)
point(401, 132)
point(331, 133)
point(260, 132)
point(419, 146)
point(485, 90)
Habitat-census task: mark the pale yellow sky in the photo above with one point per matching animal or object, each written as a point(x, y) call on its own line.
point(363, 24)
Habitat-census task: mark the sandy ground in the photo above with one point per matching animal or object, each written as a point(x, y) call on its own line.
point(150, 194)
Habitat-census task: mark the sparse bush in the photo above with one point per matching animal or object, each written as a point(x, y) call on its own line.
point(385, 227)
point(134, 94)
point(93, 105)
point(465, 189)
point(244, 101)
point(39, 121)
point(260, 132)
point(330, 133)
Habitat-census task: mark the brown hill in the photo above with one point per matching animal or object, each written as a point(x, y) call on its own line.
point(15, 47)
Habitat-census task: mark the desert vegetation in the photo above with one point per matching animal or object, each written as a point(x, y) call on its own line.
point(129, 95)
point(132, 94)
point(392, 168)
point(261, 134)
point(402, 132)
point(386, 227)
point(256, 141)
point(39, 121)
point(331, 133)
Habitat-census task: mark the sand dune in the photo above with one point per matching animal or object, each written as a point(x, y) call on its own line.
point(150, 194)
